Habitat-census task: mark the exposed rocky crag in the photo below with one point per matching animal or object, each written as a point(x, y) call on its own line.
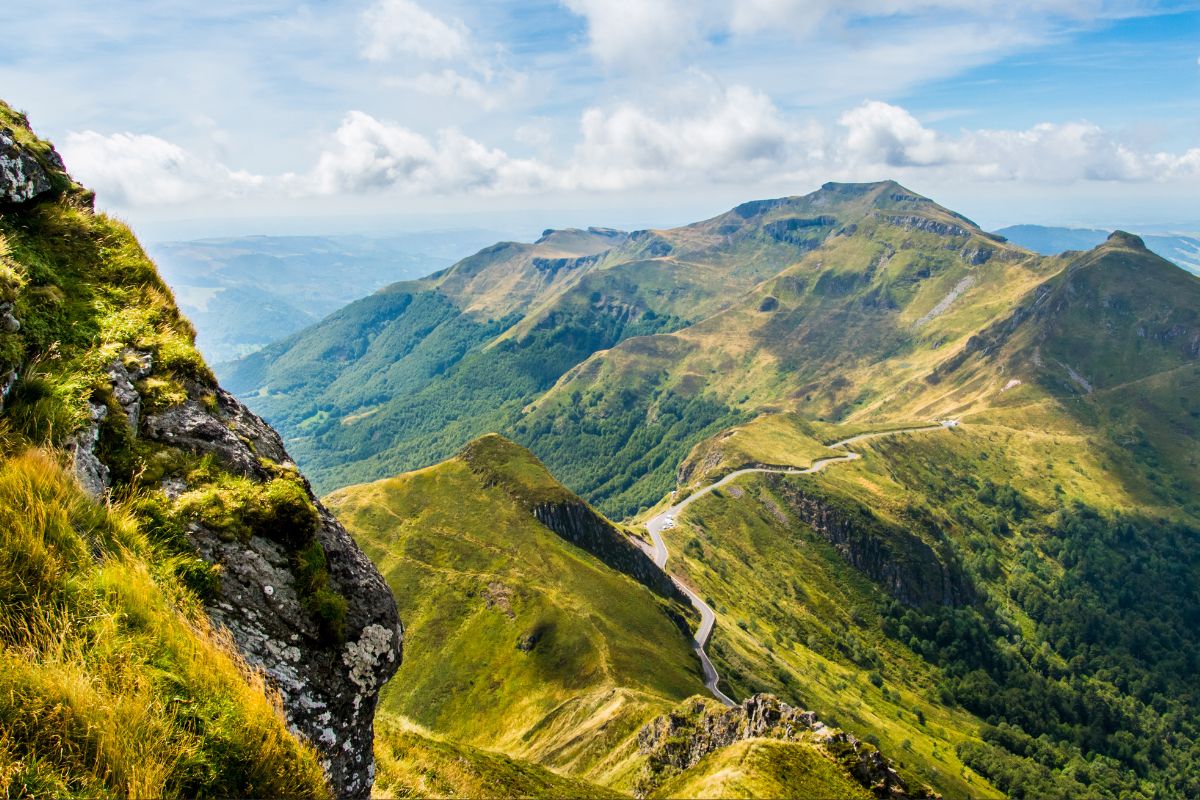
point(677, 741)
point(328, 683)
point(906, 566)
point(581, 526)
point(560, 510)
point(24, 176)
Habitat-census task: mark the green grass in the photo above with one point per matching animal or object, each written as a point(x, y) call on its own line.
point(784, 440)
point(764, 768)
point(111, 680)
point(809, 630)
point(516, 640)
point(412, 763)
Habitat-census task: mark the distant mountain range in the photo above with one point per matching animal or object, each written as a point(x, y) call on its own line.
point(245, 292)
point(1183, 249)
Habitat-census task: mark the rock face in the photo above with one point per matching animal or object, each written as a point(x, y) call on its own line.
point(908, 568)
point(677, 741)
point(22, 175)
point(583, 527)
point(329, 688)
point(328, 681)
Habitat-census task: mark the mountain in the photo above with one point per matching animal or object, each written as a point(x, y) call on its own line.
point(529, 635)
point(179, 615)
point(1182, 249)
point(243, 293)
point(403, 377)
point(966, 530)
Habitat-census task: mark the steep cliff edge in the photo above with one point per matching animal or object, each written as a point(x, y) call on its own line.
point(906, 566)
point(499, 462)
point(97, 364)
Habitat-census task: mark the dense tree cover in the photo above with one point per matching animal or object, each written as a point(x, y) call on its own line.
point(446, 389)
point(620, 449)
point(1103, 695)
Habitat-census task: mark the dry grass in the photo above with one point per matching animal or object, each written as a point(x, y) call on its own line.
point(111, 679)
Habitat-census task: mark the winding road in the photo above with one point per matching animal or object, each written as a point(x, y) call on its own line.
point(666, 519)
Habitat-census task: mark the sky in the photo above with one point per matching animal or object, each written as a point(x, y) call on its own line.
point(266, 116)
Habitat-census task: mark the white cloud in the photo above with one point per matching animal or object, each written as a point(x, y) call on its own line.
point(878, 134)
point(395, 28)
point(131, 170)
point(720, 134)
point(489, 91)
point(638, 32)
point(402, 27)
point(922, 37)
point(710, 135)
point(367, 154)
point(802, 16)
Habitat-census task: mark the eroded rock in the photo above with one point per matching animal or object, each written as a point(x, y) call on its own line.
point(22, 176)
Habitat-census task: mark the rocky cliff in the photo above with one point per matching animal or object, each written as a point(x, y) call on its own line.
point(97, 363)
point(581, 526)
point(906, 566)
point(501, 463)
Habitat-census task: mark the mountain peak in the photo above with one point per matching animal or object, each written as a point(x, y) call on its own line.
point(1125, 239)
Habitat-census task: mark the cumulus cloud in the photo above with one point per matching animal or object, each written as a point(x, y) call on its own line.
point(368, 154)
point(625, 32)
point(639, 34)
point(879, 134)
point(402, 27)
point(130, 170)
point(727, 134)
point(710, 135)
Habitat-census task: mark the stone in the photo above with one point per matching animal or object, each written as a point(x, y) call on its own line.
point(677, 741)
point(22, 176)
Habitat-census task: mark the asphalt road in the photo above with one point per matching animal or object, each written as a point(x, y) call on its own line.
point(666, 520)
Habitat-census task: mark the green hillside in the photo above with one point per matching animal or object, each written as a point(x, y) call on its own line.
point(1007, 606)
point(517, 640)
point(403, 378)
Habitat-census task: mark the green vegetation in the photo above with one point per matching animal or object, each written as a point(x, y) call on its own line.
point(764, 768)
point(409, 764)
point(111, 681)
point(1007, 607)
point(516, 640)
point(781, 440)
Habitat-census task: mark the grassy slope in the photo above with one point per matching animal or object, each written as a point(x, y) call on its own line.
point(112, 681)
point(412, 763)
point(795, 620)
point(406, 377)
point(516, 640)
point(785, 440)
point(764, 768)
point(846, 324)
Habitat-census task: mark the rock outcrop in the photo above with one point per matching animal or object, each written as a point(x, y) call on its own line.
point(329, 688)
point(581, 526)
point(24, 173)
point(677, 741)
point(906, 566)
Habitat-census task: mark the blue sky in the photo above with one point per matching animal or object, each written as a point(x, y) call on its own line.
point(264, 115)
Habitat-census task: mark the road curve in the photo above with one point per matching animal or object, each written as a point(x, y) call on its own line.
point(666, 519)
